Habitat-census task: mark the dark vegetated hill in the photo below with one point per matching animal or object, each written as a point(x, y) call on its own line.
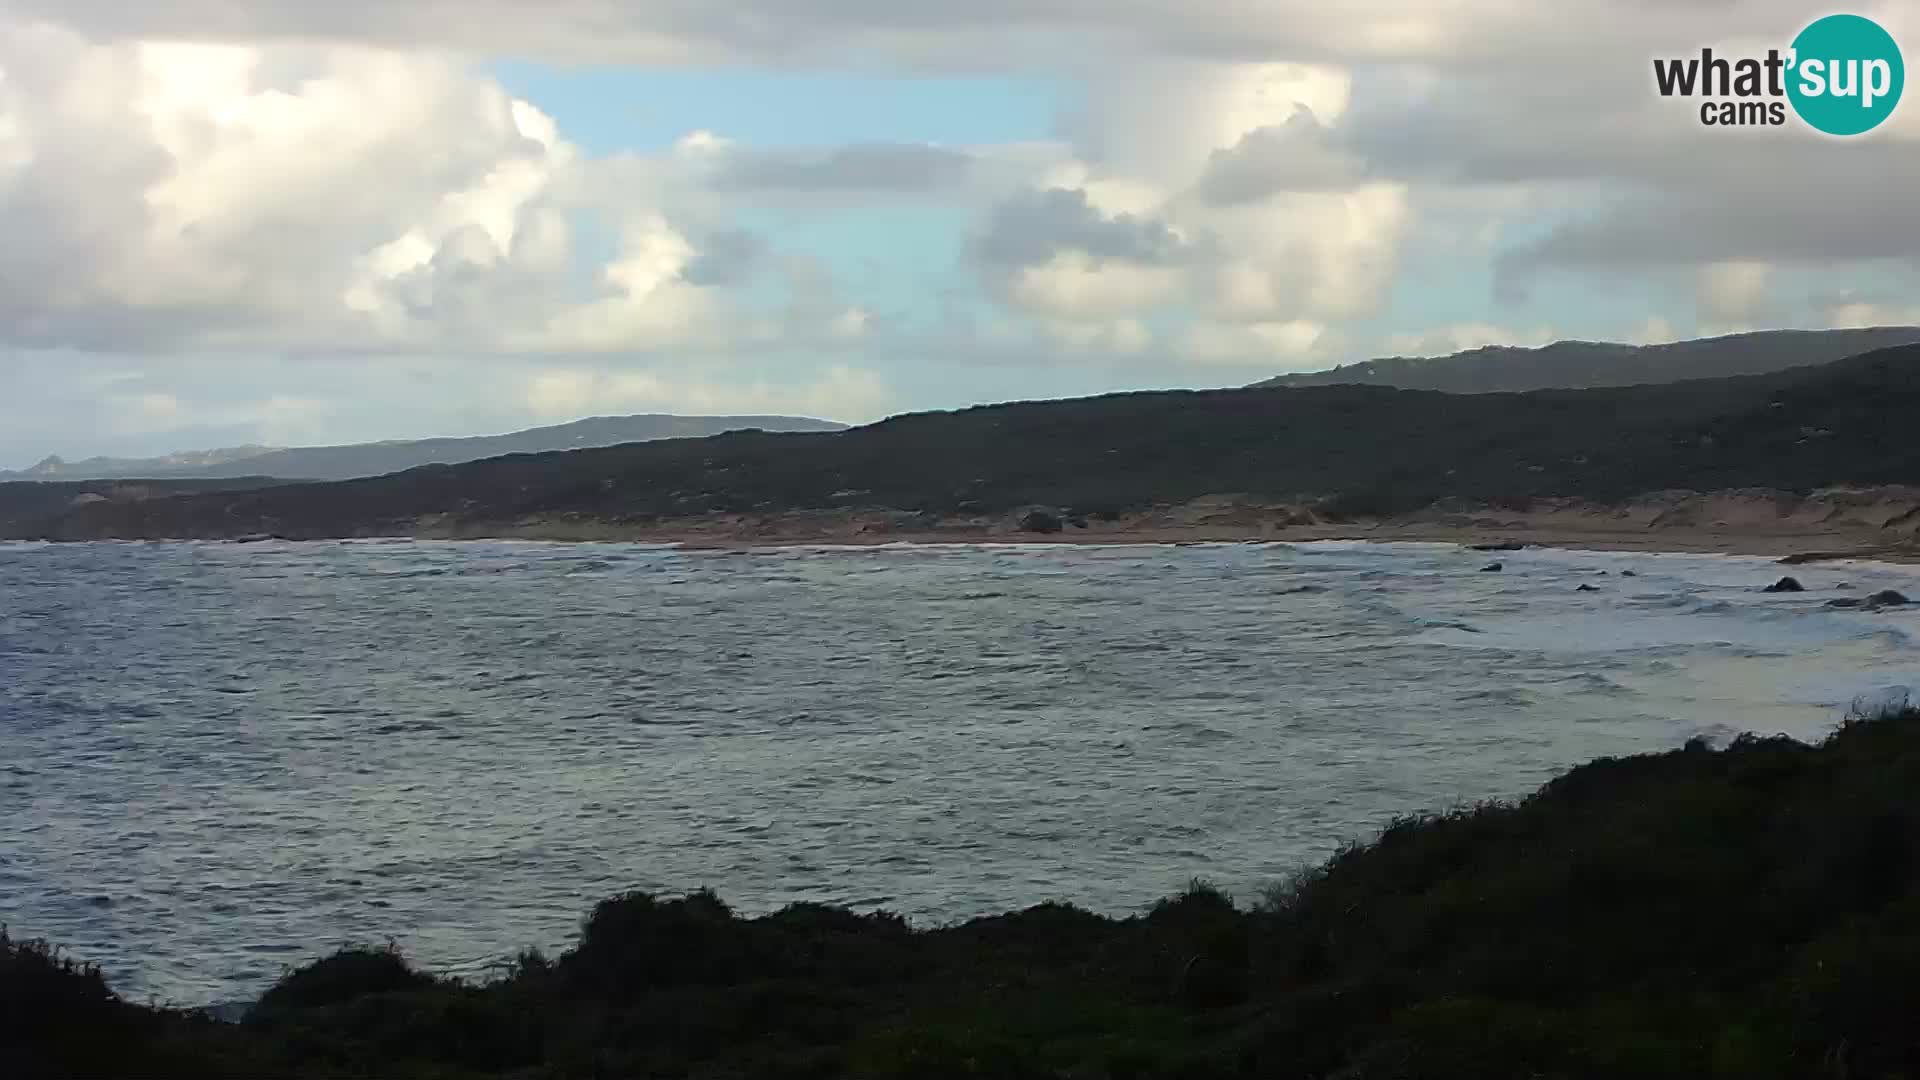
point(1583, 364)
point(378, 458)
point(375, 459)
point(1748, 912)
point(1377, 449)
point(54, 467)
point(25, 505)
point(1860, 417)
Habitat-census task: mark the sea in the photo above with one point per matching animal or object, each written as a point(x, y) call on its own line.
point(220, 760)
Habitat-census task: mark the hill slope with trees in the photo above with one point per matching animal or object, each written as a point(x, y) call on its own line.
point(1377, 449)
point(374, 459)
point(1574, 365)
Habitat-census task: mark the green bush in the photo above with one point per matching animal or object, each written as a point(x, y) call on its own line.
point(345, 975)
point(1750, 911)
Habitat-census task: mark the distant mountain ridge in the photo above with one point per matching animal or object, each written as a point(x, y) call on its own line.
point(54, 467)
point(358, 460)
point(1580, 365)
point(1351, 451)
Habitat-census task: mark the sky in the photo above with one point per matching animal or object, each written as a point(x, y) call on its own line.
point(295, 222)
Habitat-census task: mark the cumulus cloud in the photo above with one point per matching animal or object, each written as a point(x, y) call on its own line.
point(727, 257)
point(1033, 227)
point(1238, 181)
point(1764, 216)
point(1643, 186)
point(1109, 337)
point(838, 392)
point(78, 404)
point(338, 198)
point(1294, 156)
point(1215, 186)
point(1074, 285)
point(1734, 293)
point(1654, 330)
point(159, 191)
point(81, 404)
point(1161, 120)
point(1312, 254)
point(1846, 313)
point(1295, 345)
point(1053, 252)
point(981, 34)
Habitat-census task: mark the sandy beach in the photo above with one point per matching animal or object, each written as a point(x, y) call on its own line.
point(1879, 524)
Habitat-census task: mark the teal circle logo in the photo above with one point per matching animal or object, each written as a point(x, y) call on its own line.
point(1845, 75)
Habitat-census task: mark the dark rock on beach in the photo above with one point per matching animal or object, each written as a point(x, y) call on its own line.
point(1885, 598)
point(1040, 521)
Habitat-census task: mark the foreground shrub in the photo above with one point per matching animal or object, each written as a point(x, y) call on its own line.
point(1750, 911)
point(347, 974)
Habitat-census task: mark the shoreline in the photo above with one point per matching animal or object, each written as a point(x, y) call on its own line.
point(1881, 524)
point(1787, 548)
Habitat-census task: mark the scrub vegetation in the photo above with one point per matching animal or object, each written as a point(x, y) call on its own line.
point(1750, 910)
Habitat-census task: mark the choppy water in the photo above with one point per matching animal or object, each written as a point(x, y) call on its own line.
point(219, 759)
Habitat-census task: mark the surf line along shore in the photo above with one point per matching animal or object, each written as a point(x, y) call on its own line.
point(1883, 530)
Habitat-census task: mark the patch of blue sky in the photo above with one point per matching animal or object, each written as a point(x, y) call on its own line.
point(607, 110)
point(896, 260)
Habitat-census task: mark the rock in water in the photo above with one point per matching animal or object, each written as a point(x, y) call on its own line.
point(1492, 568)
point(1885, 598)
point(1785, 584)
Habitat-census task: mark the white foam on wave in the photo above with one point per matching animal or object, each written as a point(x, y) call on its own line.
point(1618, 630)
point(543, 738)
point(1691, 632)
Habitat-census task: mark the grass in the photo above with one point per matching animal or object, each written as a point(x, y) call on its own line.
point(1745, 911)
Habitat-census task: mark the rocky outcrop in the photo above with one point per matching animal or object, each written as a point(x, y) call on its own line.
point(1885, 598)
point(1041, 521)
